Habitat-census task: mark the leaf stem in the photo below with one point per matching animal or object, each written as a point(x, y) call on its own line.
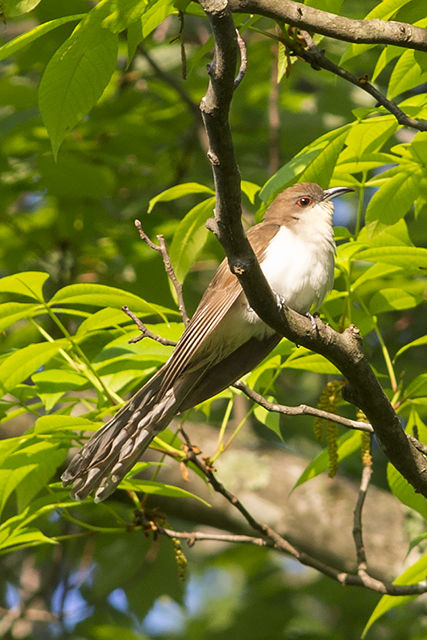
point(95, 378)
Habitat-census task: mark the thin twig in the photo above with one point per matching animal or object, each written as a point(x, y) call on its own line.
point(362, 565)
point(317, 59)
point(195, 536)
point(278, 542)
point(302, 410)
point(243, 60)
point(161, 248)
point(145, 331)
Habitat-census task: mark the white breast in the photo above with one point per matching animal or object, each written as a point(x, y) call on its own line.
point(299, 265)
point(299, 268)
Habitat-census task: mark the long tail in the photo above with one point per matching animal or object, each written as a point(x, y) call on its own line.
point(116, 447)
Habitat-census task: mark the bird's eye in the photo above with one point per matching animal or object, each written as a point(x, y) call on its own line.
point(304, 201)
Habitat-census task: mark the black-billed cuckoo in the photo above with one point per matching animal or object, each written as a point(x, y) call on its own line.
point(225, 338)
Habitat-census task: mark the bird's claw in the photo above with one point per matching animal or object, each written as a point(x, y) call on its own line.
point(280, 300)
point(312, 319)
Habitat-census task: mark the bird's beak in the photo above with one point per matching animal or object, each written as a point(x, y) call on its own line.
point(329, 194)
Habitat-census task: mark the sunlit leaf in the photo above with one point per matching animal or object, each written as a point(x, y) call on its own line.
point(347, 444)
point(22, 363)
point(27, 283)
point(179, 191)
point(413, 574)
point(159, 489)
point(100, 295)
point(75, 78)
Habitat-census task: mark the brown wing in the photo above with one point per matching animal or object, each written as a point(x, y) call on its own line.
point(219, 296)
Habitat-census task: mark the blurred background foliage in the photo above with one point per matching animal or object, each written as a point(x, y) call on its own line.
point(73, 219)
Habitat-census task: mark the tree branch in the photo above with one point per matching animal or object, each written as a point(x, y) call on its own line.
point(362, 564)
point(335, 26)
point(162, 249)
point(278, 542)
point(318, 60)
point(145, 331)
point(342, 349)
point(302, 410)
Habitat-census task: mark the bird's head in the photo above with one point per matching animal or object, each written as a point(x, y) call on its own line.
point(304, 202)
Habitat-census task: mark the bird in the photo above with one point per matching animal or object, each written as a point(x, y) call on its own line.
point(225, 339)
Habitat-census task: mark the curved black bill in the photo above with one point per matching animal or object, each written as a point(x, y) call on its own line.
point(334, 192)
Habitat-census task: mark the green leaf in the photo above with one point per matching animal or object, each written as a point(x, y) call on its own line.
point(29, 469)
point(23, 362)
point(268, 418)
point(384, 10)
point(122, 13)
point(75, 77)
point(179, 191)
point(379, 234)
point(102, 319)
point(388, 54)
point(310, 362)
point(401, 488)
point(368, 163)
point(283, 60)
point(409, 72)
point(52, 384)
point(367, 136)
point(12, 8)
point(415, 343)
point(11, 312)
point(58, 423)
point(155, 14)
point(417, 387)
point(159, 489)
point(415, 257)
point(396, 196)
point(10, 48)
point(413, 574)
point(21, 539)
point(392, 299)
point(190, 237)
point(137, 31)
point(314, 163)
point(374, 272)
point(250, 189)
point(100, 295)
point(347, 444)
point(26, 283)
point(16, 528)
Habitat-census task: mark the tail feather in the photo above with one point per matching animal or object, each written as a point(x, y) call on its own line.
point(103, 462)
point(106, 458)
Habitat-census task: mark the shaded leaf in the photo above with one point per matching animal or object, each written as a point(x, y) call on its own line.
point(189, 238)
point(25, 39)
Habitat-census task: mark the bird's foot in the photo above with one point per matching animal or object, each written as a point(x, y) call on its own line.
point(280, 300)
point(313, 319)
